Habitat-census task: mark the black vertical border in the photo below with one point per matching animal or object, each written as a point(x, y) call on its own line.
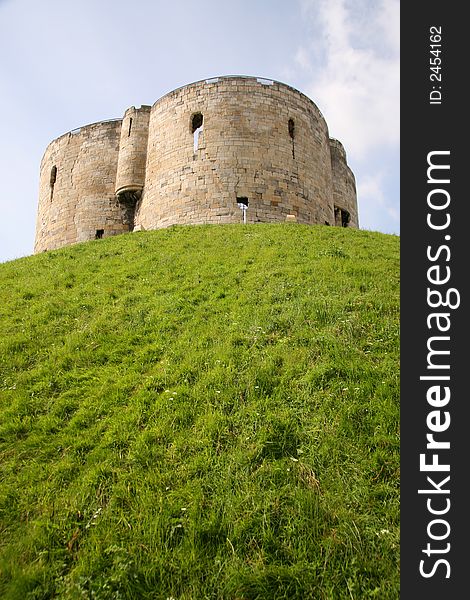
point(426, 128)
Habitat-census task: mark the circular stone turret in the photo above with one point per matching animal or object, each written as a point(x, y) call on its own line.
point(130, 176)
point(258, 140)
point(224, 150)
point(344, 187)
point(76, 187)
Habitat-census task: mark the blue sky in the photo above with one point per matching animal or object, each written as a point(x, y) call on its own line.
point(65, 64)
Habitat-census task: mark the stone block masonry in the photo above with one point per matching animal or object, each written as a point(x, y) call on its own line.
point(224, 150)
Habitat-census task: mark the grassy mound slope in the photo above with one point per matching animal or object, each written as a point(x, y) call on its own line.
point(202, 412)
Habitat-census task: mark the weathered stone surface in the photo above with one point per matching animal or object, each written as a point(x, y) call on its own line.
point(344, 186)
point(198, 155)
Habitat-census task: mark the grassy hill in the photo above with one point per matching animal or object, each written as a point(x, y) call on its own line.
point(202, 413)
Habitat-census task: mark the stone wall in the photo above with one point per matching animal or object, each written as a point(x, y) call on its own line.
point(197, 155)
point(344, 187)
point(130, 174)
point(245, 150)
point(79, 200)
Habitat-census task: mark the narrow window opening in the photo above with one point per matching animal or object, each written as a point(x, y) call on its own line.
point(242, 202)
point(53, 175)
point(196, 128)
point(99, 234)
point(53, 179)
point(196, 138)
point(291, 126)
point(342, 217)
point(196, 121)
point(130, 127)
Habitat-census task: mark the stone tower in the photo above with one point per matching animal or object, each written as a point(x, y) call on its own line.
point(198, 155)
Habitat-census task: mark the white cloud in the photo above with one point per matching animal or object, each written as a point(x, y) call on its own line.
point(375, 205)
point(302, 58)
point(357, 83)
point(371, 189)
point(349, 63)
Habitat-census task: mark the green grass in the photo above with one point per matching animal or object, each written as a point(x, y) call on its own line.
point(205, 412)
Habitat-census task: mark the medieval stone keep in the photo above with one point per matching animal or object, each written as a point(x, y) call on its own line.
point(222, 150)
